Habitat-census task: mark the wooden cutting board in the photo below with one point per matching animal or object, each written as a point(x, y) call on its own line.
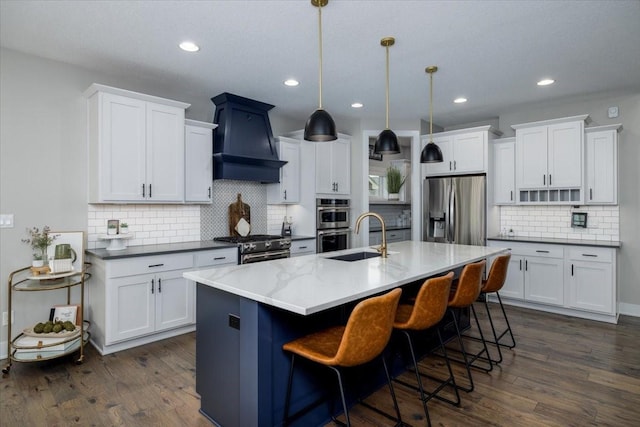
point(237, 211)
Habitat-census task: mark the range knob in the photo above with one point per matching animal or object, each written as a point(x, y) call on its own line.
point(285, 243)
point(249, 247)
point(267, 244)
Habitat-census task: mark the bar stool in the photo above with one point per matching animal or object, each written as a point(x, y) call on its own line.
point(361, 340)
point(493, 284)
point(463, 296)
point(426, 312)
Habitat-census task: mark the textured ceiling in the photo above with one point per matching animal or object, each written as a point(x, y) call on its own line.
point(491, 52)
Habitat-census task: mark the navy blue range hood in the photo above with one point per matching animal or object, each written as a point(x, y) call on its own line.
point(243, 144)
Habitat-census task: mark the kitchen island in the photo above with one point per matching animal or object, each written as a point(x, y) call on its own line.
point(246, 312)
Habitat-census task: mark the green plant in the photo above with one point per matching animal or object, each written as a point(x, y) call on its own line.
point(112, 226)
point(39, 241)
point(124, 224)
point(394, 180)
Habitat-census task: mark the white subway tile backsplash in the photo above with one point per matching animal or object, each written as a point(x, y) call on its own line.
point(555, 221)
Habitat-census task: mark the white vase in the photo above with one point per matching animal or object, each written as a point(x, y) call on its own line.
point(37, 263)
point(111, 231)
point(394, 196)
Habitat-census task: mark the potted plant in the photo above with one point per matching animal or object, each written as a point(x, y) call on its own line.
point(124, 228)
point(112, 228)
point(395, 181)
point(39, 241)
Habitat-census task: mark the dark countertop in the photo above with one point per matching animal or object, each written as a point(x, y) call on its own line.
point(169, 248)
point(390, 228)
point(555, 241)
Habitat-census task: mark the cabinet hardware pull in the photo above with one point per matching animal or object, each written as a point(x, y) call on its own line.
point(142, 190)
point(209, 192)
point(218, 258)
point(449, 165)
point(511, 197)
point(572, 269)
point(302, 247)
point(526, 265)
point(543, 252)
point(159, 285)
point(591, 255)
point(520, 265)
point(454, 165)
point(337, 186)
point(285, 194)
point(149, 190)
point(549, 179)
point(155, 265)
point(544, 179)
point(153, 281)
point(591, 194)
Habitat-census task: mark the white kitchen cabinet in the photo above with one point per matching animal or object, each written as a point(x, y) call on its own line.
point(591, 279)
point(333, 166)
point(136, 147)
point(198, 161)
point(575, 280)
point(503, 171)
point(601, 158)
point(137, 300)
point(303, 247)
point(463, 151)
point(287, 191)
point(549, 160)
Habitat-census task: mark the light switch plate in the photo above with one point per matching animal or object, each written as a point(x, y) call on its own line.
point(6, 221)
point(612, 112)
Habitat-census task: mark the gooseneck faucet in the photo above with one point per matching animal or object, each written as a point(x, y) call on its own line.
point(383, 247)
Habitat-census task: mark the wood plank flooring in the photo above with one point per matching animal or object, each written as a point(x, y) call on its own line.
point(563, 372)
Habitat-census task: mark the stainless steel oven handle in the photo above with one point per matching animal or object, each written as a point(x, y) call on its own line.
point(333, 232)
point(264, 256)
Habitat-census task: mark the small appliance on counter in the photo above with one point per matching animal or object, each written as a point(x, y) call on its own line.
point(286, 227)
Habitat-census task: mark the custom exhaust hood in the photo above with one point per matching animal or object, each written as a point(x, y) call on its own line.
point(243, 144)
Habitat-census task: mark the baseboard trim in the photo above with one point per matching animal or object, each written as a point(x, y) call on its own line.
point(629, 309)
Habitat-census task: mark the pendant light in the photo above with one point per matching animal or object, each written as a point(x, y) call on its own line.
point(387, 142)
point(431, 152)
point(320, 126)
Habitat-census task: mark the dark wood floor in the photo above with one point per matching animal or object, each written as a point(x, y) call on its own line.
point(563, 372)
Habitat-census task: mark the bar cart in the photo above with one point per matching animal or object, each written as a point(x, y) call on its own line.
point(30, 346)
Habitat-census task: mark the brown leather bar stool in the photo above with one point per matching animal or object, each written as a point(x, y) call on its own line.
point(426, 312)
point(463, 296)
point(493, 284)
point(361, 340)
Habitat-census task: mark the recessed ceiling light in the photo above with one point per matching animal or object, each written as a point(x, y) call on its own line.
point(189, 46)
point(291, 82)
point(546, 82)
point(357, 105)
point(460, 100)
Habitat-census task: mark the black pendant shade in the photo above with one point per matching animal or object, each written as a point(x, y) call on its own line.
point(320, 127)
point(387, 143)
point(431, 154)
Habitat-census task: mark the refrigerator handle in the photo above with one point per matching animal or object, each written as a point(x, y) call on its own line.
point(452, 206)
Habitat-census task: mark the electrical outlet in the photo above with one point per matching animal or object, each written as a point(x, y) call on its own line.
point(6, 221)
point(5, 318)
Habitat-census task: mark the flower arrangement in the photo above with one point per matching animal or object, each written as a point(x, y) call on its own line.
point(39, 241)
point(394, 180)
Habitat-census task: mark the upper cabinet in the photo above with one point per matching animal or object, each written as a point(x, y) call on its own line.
point(549, 160)
point(464, 151)
point(198, 161)
point(136, 147)
point(333, 166)
point(601, 159)
point(504, 173)
point(288, 189)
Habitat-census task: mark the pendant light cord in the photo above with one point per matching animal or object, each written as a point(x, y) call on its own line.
point(387, 86)
point(320, 50)
point(431, 107)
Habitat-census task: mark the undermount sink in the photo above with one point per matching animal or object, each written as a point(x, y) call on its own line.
point(357, 256)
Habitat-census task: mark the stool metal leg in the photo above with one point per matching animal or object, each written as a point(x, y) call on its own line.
point(504, 313)
point(344, 401)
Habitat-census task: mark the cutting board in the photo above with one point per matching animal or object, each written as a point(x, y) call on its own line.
point(237, 211)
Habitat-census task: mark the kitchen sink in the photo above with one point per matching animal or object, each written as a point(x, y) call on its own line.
point(357, 256)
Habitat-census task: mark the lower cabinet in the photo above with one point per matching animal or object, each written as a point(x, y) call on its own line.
point(137, 300)
point(375, 237)
point(303, 247)
point(566, 279)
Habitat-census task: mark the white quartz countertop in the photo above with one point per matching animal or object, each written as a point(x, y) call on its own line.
point(313, 283)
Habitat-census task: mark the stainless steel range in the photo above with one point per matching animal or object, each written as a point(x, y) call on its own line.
point(259, 247)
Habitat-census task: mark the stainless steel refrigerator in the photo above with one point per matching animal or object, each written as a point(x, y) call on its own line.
point(454, 210)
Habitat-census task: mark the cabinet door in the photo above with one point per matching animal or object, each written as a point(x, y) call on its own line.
point(324, 178)
point(198, 164)
point(504, 173)
point(469, 152)
point(375, 238)
point(514, 284)
point(122, 148)
point(602, 167)
point(288, 189)
point(341, 165)
point(165, 153)
point(130, 307)
point(544, 281)
point(303, 247)
point(395, 236)
point(565, 154)
point(591, 286)
point(445, 143)
point(174, 300)
point(531, 157)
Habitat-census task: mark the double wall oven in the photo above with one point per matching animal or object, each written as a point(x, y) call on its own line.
point(333, 219)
